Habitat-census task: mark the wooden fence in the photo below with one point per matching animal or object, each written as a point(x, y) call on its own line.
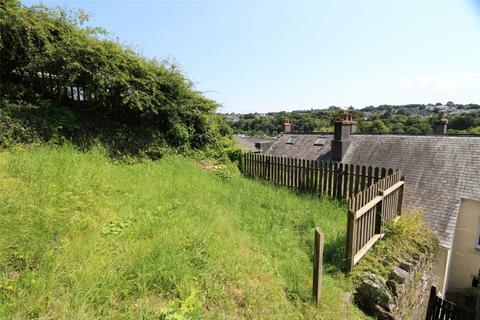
point(368, 211)
point(65, 90)
point(440, 309)
point(374, 195)
point(335, 180)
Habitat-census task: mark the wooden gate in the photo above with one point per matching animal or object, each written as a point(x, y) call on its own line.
point(368, 211)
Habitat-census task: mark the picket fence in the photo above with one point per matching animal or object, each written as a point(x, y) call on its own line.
point(333, 179)
point(374, 195)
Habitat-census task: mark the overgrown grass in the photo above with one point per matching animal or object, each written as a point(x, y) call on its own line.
point(404, 239)
point(82, 237)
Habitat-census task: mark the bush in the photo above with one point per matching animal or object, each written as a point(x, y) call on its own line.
point(24, 122)
point(136, 105)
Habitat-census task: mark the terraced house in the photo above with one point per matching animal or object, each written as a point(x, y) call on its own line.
point(442, 180)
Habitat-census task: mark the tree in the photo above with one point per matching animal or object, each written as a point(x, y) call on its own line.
point(378, 126)
point(40, 45)
point(462, 122)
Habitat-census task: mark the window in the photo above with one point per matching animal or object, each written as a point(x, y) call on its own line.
point(320, 141)
point(292, 140)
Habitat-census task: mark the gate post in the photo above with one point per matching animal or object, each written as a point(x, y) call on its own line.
point(351, 240)
point(378, 214)
point(400, 197)
point(318, 264)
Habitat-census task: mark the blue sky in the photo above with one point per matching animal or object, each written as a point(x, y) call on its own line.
point(285, 55)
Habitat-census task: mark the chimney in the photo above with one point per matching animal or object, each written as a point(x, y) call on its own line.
point(441, 123)
point(344, 127)
point(287, 127)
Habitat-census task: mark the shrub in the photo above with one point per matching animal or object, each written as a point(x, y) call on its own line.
point(29, 123)
point(139, 106)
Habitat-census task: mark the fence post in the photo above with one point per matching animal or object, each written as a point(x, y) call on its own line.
point(266, 174)
point(378, 214)
point(317, 264)
point(351, 240)
point(339, 181)
point(242, 161)
point(400, 197)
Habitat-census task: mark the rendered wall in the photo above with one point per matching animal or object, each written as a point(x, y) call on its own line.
point(440, 269)
point(465, 259)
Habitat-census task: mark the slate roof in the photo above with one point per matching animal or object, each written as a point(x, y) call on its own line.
point(439, 170)
point(247, 144)
point(303, 148)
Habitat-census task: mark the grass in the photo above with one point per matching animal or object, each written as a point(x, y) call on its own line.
point(404, 241)
point(407, 240)
point(82, 237)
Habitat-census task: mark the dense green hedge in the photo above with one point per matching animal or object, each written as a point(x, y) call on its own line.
point(127, 91)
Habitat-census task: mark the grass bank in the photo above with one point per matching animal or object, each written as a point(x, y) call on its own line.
point(83, 237)
point(403, 241)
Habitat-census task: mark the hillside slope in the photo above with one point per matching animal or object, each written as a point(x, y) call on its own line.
point(83, 237)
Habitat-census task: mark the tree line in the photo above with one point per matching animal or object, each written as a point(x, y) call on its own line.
point(414, 118)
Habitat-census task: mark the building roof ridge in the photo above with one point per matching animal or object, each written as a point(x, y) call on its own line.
point(422, 134)
point(418, 134)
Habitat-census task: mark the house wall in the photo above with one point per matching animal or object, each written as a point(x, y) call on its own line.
point(440, 269)
point(465, 260)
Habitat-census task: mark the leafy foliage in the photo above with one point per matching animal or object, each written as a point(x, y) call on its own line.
point(375, 126)
point(115, 227)
point(45, 52)
point(29, 123)
point(189, 308)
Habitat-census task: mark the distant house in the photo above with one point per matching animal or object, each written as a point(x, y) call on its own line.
point(442, 180)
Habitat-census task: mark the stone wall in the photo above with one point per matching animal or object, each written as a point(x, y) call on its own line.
point(403, 294)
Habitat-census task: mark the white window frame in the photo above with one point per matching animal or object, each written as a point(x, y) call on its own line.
point(292, 139)
point(320, 141)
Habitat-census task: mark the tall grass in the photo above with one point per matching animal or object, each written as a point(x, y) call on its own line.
point(82, 237)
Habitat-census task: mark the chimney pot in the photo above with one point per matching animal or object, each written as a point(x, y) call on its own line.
point(287, 127)
point(441, 123)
